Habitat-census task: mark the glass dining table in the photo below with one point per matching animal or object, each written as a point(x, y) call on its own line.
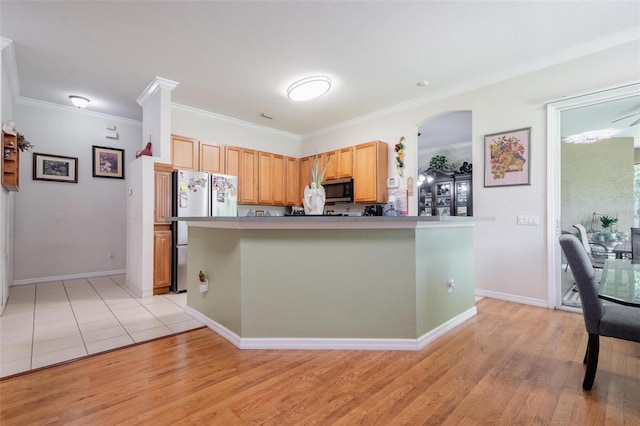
point(620, 282)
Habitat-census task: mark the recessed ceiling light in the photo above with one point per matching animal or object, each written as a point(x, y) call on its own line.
point(309, 88)
point(422, 83)
point(79, 101)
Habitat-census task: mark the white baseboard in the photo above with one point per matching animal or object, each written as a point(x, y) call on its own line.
point(68, 277)
point(328, 343)
point(540, 303)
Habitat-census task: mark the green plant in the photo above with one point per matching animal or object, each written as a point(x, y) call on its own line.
point(438, 162)
point(202, 277)
point(607, 221)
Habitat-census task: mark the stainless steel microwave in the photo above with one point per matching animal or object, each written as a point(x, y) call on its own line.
point(338, 191)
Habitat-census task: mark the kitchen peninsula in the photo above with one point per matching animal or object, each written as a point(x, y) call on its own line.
point(336, 282)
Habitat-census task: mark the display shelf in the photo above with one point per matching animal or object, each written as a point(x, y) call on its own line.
point(10, 162)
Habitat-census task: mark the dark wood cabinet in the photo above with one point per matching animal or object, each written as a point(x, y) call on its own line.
point(445, 194)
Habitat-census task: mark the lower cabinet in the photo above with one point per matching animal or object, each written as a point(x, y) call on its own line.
point(161, 261)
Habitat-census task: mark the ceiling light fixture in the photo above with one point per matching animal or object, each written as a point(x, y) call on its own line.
point(592, 136)
point(79, 101)
point(309, 88)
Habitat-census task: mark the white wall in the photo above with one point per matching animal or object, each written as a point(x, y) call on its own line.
point(6, 198)
point(211, 128)
point(510, 259)
point(92, 212)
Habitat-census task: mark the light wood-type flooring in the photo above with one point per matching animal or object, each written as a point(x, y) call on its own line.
point(510, 365)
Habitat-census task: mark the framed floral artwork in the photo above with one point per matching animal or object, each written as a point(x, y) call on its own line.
point(55, 168)
point(507, 158)
point(108, 162)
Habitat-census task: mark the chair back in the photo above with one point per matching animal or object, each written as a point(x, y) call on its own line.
point(583, 237)
point(585, 277)
point(635, 243)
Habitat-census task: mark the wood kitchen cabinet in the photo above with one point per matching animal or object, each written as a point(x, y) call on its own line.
point(345, 163)
point(162, 228)
point(243, 163)
point(292, 184)
point(305, 174)
point(10, 162)
point(330, 161)
point(370, 169)
point(211, 158)
point(184, 153)
point(162, 180)
point(271, 180)
point(161, 261)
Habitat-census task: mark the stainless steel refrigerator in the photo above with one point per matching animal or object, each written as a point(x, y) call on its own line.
point(197, 194)
point(191, 198)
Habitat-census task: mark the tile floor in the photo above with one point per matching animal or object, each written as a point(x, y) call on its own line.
point(52, 322)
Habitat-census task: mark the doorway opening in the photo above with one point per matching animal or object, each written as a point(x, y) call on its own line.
point(591, 179)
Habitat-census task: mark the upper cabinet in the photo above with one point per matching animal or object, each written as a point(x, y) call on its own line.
point(10, 162)
point(244, 164)
point(211, 158)
point(271, 180)
point(345, 163)
point(184, 153)
point(292, 178)
point(370, 169)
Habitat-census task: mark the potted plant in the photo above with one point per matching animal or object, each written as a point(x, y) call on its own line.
point(608, 221)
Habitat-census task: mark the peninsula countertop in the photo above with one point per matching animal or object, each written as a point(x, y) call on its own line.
point(329, 222)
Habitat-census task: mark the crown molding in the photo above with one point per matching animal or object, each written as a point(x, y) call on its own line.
point(616, 39)
point(70, 109)
point(156, 84)
point(212, 115)
point(9, 61)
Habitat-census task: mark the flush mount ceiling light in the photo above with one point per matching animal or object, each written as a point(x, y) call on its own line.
point(309, 88)
point(79, 101)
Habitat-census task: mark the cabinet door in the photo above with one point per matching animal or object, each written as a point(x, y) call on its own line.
point(248, 177)
point(444, 198)
point(332, 167)
point(278, 173)
point(370, 172)
point(264, 178)
point(292, 182)
point(161, 261)
point(305, 174)
point(162, 208)
point(232, 162)
point(211, 158)
point(345, 163)
point(184, 153)
point(463, 200)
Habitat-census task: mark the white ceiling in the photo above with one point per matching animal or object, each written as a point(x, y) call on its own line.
point(236, 58)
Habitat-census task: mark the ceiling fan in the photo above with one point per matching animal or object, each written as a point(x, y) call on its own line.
point(635, 123)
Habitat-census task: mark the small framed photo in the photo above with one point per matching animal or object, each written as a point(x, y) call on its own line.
point(259, 212)
point(108, 162)
point(55, 168)
point(507, 158)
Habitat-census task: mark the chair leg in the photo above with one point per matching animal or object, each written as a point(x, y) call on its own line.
point(593, 348)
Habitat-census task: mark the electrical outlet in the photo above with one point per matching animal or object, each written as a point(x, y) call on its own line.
point(450, 285)
point(110, 254)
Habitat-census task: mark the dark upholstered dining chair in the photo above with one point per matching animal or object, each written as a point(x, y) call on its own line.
point(610, 319)
point(635, 243)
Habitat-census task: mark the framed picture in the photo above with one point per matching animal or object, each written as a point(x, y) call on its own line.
point(55, 168)
point(259, 212)
point(507, 158)
point(108, 162)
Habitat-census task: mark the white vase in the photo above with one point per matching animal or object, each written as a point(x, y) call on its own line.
point(314, 199)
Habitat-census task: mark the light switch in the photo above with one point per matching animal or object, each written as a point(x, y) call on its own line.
point(528, 220)
point(59, 216)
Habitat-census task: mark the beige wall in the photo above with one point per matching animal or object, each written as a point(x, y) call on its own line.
point(597, 177)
